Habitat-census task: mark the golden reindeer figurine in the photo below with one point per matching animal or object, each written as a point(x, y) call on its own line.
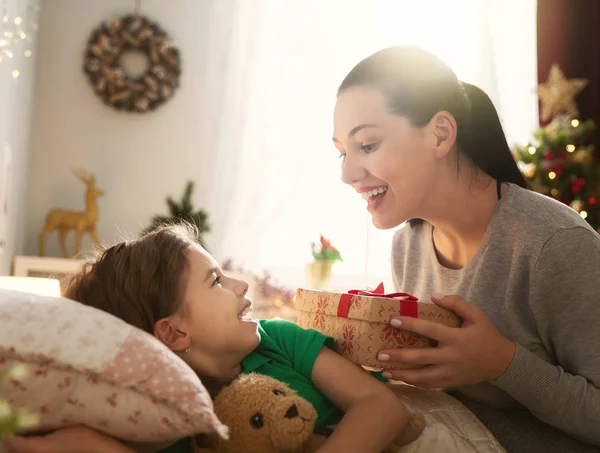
point(80, 221)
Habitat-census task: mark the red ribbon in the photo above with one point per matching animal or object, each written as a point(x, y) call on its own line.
point(408, 304)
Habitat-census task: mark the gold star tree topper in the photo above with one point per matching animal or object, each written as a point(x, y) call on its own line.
point(558, 94)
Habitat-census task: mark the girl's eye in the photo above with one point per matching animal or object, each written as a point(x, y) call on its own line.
point(342, 156)
point(369, 148)
point(217, 281)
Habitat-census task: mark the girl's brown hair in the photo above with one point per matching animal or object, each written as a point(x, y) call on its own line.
point(138, 281)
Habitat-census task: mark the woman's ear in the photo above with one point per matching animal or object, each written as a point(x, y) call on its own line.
point(443, 131)
point(171, 336)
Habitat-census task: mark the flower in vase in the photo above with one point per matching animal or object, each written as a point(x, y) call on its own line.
point(324, 251)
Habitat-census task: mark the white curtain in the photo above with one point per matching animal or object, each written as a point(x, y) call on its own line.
point(277, 178)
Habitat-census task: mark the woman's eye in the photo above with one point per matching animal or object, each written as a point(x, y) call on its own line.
point(342, 156)
point(369, 148)
point(217, 281)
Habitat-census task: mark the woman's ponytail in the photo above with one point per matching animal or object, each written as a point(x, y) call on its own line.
point(485, 143)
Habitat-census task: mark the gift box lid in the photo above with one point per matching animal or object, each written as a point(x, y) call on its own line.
point(371, 307)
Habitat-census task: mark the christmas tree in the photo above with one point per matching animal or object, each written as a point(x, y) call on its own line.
point(560, 162)
point(183, 211)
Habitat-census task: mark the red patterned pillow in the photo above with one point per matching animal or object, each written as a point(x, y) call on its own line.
point(89, 367)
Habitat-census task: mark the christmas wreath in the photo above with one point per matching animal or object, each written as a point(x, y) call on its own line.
point(127, 35)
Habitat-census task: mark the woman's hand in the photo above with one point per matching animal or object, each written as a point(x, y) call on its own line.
point(476, 352)
point(76, 439)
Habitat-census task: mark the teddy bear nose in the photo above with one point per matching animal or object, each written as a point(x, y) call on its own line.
point(292, 412)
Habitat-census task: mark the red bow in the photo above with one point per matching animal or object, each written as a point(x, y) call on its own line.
point(408, 304)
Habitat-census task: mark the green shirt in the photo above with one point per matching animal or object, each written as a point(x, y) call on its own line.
point(288, 353)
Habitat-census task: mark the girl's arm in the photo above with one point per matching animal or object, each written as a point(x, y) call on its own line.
point(374, 416)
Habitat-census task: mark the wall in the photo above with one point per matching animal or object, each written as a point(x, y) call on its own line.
point(16, 115)
point(138, 159)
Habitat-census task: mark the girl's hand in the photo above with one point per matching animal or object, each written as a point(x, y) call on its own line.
point(76, 439)
point(476, 352)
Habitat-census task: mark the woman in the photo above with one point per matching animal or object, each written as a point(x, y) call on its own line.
point(520, 268)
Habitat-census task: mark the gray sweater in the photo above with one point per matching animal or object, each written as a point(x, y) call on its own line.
point(536, 276)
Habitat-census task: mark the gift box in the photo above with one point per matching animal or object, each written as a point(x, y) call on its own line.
point(360, 322)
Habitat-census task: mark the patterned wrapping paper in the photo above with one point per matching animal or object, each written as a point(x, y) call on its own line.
point(359, 322)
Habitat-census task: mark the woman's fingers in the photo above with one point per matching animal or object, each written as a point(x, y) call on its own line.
point(418, 356)
point(429, 329)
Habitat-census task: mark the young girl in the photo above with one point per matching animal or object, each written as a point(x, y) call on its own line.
point(167, 285)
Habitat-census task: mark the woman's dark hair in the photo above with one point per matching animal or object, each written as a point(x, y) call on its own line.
point(418, 84)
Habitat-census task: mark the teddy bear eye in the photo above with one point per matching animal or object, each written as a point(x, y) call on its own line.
point(278, 393)
point(257, 421)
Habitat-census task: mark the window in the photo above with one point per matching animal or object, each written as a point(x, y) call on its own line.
point(287, 172)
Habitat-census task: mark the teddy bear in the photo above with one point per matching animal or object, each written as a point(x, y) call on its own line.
point(265, 416)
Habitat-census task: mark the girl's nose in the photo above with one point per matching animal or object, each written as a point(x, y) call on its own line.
point(242, 288)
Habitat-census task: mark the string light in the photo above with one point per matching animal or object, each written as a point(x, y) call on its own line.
point(583, 214)
point(532, 150)
point(554, 192)
point(574, 123)
point(570, 148)
point(16, 32)
point(529, 170)
point(551, 175)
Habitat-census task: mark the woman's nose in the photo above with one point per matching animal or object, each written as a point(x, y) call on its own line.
point(352, 171)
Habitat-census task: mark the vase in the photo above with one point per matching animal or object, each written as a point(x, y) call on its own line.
point(318, 274)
